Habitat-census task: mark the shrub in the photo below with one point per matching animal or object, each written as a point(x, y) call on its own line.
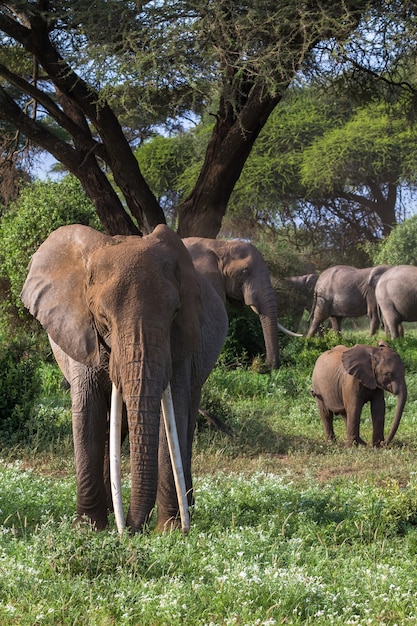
point(244, 339)
point(399, 248)
point(41, 208)
point(19, 383)
point(33, 408)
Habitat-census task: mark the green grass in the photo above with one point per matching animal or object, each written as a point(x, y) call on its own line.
point(286, 529)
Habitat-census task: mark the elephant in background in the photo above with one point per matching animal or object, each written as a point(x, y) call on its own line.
point(133, 312)
point(305, 285)
point(396, 297)
point(344, 379)
point(238, 272)
point(346, 291)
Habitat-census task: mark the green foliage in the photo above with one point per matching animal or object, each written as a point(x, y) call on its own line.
point(41, 208)
point(19, 383)
point(244, 339)
point(370, 144)
point(400, 247)
point(276, 549)
point(162, 161)
point(34, 410)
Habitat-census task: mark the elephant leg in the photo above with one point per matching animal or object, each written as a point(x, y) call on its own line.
point(336, 322)
point(167, 502)
point(374, 324)
point(315, 326)
point(392, 322)
point(90, 408)
point(378, 418)
point(327, 420)
point(353, 414)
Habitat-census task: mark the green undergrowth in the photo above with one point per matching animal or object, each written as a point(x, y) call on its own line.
point(286, 528)
point(263, 549)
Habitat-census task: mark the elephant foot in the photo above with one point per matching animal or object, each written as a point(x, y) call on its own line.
point(86, 521)
point(168, 524)
point(356, 442)
point(379, 443)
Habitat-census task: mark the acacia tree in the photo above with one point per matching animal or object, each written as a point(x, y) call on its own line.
point(319, 157)
point(73, 73)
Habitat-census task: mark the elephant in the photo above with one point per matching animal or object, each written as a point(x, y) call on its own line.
point(344, 379)
point(133, 313)
point(238, 272)
point(346, 291)
point(396, 298)
point(305, 285)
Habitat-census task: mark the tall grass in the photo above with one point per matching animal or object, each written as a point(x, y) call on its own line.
point(286, 529)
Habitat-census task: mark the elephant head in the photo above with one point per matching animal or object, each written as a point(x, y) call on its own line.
point(238, 272)
point(119, 309)
point(379, 368)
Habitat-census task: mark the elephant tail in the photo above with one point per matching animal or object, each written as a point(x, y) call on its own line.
point(313, 306)
point(316, 395)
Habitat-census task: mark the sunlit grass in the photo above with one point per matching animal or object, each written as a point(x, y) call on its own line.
point(263, 549)
point(286, 529)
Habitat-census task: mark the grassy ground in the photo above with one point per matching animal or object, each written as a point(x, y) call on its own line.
point(287, 529)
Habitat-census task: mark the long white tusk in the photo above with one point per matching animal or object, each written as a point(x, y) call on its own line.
point(288, 332)
point(114, 451)
point(175, 453)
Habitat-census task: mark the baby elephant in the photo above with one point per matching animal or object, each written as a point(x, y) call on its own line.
point(344, 379)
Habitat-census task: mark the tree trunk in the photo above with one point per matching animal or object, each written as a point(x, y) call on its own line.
point(245, 106)
point(231, 142)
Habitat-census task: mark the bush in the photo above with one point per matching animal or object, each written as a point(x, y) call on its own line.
point(19, 383)
point(32, 405)
point(41, 208)
point(399, 248)
point(244, 339)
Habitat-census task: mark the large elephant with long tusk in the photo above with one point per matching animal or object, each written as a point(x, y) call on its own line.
point(128, 313)
point(238, 272)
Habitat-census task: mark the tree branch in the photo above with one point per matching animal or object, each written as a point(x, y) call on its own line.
point(56, 113)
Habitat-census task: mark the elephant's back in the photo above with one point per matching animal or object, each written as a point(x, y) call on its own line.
point(398, 286)
point(326, 380)
point(326, 368)
point(341, 288)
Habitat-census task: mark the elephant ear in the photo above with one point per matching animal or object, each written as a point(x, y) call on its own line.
point(55, 290)
point(186, 327)
point(358, 362)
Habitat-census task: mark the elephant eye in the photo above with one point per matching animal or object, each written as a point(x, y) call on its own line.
point(101, 320)
point(176, 312)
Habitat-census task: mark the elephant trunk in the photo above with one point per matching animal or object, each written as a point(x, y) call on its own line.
point(401, 400)
point(270, 332)
point(261, 298)
point(142, 382)
point(143, 424)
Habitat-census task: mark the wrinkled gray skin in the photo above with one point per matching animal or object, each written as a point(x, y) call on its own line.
point(396, 298)
point(238, 272)
point(133, 311)
point(345, 291)
point(344, 379)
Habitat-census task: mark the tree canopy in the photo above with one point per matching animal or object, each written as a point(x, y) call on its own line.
point(87, 82)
